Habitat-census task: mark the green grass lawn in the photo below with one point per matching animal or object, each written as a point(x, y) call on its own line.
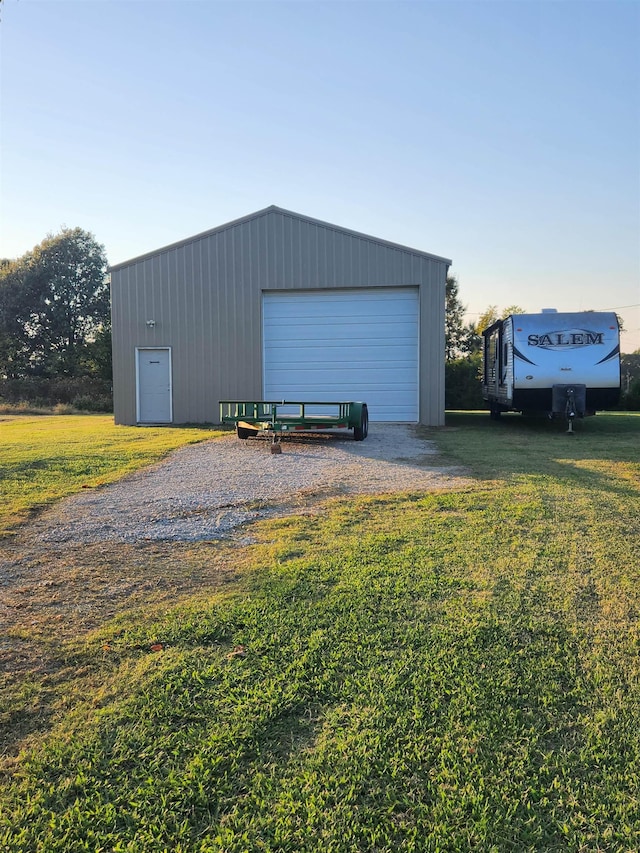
point(450, 671)
point(44, 458)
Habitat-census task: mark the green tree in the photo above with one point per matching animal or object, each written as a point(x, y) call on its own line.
point(512, 309)
point(54, 302)
point(455, 330)
point(462, 354)
point(491, 314)
point(486, 319)
point(630, 376)
point(96, 357)
point(16, 296)
point(464, 359)
point(462, 383)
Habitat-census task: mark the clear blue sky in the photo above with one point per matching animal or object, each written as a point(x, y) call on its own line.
point(503, 135)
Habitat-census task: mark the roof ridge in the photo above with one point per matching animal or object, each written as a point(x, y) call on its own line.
point(274, 208)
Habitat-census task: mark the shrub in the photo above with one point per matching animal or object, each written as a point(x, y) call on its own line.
point(463, 389)
point(91, 403)
point(88, 393)
point(630, 399)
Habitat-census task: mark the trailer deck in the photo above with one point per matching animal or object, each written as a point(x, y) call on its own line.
point(251, 418)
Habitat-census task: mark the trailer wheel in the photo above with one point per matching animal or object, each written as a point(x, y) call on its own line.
point(361, 432)
point(243, 432)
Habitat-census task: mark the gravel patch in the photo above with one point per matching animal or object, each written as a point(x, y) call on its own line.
point(205, 491)
point(169, 532)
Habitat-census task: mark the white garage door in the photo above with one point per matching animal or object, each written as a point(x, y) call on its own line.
point(357, 345)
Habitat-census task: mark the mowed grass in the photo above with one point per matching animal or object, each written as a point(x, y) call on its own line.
point(44, 458)
point(451, 671)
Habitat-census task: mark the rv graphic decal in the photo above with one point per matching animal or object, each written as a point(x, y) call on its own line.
point(566, 339)
point(614, 352)
point(517, 353)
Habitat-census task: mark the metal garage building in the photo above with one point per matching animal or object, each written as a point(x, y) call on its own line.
point(278, 306)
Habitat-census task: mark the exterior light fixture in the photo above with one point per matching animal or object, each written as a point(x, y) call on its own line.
point(151, 323)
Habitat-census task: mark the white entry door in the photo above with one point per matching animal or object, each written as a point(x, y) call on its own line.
point(334, 345)
point(154, 386)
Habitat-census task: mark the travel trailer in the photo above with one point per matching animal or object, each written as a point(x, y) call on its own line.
point(553, 363)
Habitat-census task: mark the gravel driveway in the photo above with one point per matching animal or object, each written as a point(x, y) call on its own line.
point(204, 491)
point(172, 531)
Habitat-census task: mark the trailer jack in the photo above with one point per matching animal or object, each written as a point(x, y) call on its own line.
point(276, 447)
point(570, 410)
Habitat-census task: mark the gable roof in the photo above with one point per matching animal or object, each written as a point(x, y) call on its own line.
point(270, 210)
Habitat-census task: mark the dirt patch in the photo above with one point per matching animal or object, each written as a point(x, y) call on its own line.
point(55, 596)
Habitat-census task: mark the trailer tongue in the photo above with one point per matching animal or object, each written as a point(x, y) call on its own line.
point(274, 419)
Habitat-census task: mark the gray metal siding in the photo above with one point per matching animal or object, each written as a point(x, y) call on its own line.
point(205, 296)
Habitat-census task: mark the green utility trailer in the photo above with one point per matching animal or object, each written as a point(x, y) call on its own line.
point(274, 419)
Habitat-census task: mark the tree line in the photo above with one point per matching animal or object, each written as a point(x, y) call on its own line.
point(463, 349)
point(55, 331)
point(55, 326)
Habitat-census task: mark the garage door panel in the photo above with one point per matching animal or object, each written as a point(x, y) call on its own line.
point(388, 403)
point(360, 376)
point(344, 345)
point(402, 368)
point(288, 358)
point(343, 340)
point(363, 326)
point(321, 307)
point(334, 371)
point(334, 315)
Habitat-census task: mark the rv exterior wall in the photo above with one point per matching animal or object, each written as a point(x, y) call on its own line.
point(205, 296)
point(526, 355)
point(567, 347)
